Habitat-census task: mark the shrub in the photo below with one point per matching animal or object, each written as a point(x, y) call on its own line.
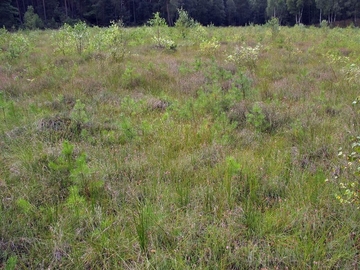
point(4, 39)
point(163, 43)
point(267, 117)
point(257, 118)
point(115, 40)
point(209, 47)
point(198, 33)
point(80, 34)
point(274, 25)
point(238, 113)
point(68, 38)
point(63, 40)
point(184, 22)
point(18, 46)
point(245, 56)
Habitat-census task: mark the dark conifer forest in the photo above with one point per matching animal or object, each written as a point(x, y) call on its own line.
point(54, 13)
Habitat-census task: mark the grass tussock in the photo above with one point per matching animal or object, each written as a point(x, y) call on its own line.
point(211, 154)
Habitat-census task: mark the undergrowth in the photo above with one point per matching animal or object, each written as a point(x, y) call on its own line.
point(120, 152)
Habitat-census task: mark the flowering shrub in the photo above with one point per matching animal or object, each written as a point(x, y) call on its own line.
point(246, 56)
point(209, 47)
point(164, 43)
point(158, 24)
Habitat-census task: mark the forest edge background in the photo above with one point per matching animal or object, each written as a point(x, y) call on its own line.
point(54, 13)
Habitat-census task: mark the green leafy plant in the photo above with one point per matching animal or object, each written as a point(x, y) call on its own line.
point(73, 173)
point(11, 263)
point(129, 76)
point(257, 118)
point(118, 40)
point(75, 202)
point(24, 205)
point(19, 45)
point(112, 41)
point(324, 25)
point(66, 161)
point(158, 22)
point(80, 34)
point(198, 33)
point(80, 171)
point(78, 113)
point(72, 38)
point(127, 131)
point(63, 39)
point(242, 84)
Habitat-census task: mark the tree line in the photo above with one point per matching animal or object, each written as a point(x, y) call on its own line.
point(54, 13)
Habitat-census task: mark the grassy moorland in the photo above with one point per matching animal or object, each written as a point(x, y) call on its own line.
point(177, 148)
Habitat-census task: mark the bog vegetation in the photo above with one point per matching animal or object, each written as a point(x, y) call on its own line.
point(187, 147)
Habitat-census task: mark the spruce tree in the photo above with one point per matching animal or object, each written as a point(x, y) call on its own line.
point(231, 12)
point(8, 14)
point(218, 13)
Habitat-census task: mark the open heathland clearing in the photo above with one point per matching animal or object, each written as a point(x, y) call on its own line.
point(179, 148)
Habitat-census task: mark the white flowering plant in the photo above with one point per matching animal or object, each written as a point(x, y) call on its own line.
point(349, 185)
point(164, 43)
point(245, 56)
point(352, 73)
point(209, 47)
point(348, 175)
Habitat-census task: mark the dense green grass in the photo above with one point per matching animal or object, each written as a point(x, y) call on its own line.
point(151, 158)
